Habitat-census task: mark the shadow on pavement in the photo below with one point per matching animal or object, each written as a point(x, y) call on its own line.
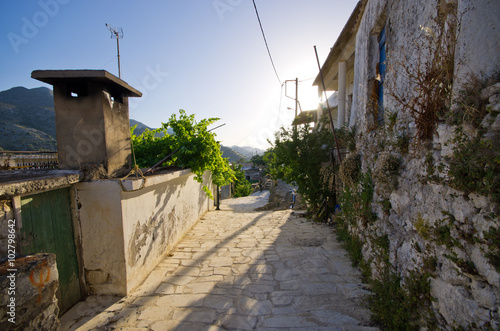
point(243, 269)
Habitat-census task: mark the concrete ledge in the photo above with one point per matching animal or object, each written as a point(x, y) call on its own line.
point(20, 182)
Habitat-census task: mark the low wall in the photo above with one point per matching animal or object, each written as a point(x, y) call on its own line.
point(225, 192)
point(126, 234)
point(28, 300)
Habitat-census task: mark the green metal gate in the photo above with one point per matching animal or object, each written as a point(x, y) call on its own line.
point(47, 228)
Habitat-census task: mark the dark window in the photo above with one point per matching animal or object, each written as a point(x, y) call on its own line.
point(77, 90)
point(117, 98)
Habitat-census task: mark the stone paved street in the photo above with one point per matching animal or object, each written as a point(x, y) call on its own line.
point(239, 269)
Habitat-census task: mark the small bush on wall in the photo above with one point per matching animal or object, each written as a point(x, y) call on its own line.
point(475, 166)
point(431, 76)
point(387, 171)
point(350, 169)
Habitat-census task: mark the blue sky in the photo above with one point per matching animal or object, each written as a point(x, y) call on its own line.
point(207, 57)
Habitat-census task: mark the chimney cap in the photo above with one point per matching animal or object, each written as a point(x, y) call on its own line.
point(74, 76)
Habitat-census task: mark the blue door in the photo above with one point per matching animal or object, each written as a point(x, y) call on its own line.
point(382, 69)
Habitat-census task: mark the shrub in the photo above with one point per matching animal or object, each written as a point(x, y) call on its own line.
point(431, 76)
point(386, 171)
point(469, 106)
point(191, 146)
point(350, 169)
point(492, 238)
point(303, 157)
point(475, 166)
point(346, 138)
point(242, 187)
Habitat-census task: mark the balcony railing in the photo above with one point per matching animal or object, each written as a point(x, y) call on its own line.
point(27, 160)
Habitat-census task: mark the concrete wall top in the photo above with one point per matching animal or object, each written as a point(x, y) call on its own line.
point(131, 184)
point(115, 84)
point(14, 183)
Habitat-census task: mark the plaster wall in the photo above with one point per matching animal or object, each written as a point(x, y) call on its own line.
point(125, 234)
point(478, 41)
point(117, 129)
point(101, 226)
point(363, 67)
point(225, 192)
point(157, 217)
point(79, 127)
point(92, 127)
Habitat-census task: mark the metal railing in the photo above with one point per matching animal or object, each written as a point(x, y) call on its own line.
point(28, 160)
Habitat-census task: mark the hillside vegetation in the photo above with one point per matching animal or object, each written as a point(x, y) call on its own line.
point(27, 119)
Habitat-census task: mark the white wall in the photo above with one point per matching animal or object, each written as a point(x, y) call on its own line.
point(478, 42)
point(125, 234)
point(155, 218)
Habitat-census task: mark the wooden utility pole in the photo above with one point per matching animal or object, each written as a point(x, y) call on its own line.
point(296, 80)
point(296, 100)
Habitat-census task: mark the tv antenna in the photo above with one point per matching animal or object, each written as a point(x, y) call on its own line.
point(118, 33)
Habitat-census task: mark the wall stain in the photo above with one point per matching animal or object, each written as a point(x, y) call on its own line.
point(145, 237)
point(40, 283)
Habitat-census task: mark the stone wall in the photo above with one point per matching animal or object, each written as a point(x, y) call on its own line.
point(33, 287)
point(432, 229)
point(126, 233)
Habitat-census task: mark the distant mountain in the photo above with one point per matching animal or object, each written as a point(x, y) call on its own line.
point(231, 154)
point(247, 151)
point(141, 127)
point(27, 119)
point(15, 137)
point(27, 123)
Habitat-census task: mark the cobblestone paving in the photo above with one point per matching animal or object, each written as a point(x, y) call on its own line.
point(239, 269)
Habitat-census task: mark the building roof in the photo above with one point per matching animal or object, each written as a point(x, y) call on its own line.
point(115, 84)
point(347, 35)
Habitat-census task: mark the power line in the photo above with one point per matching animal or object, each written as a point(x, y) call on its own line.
point(305, 80)
point(265, 41)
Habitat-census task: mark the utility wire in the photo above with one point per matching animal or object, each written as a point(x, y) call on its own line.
point(305, 80)
point(265, 41)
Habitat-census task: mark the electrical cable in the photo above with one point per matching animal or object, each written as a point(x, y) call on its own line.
point(265, 41)
point(305, 80)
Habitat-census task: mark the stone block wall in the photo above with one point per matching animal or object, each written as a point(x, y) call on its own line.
point(28, 300)
point(432, 229)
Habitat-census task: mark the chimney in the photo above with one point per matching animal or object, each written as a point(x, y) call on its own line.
point(92, 118)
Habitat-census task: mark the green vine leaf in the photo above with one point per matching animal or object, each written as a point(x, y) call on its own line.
point(197, 148)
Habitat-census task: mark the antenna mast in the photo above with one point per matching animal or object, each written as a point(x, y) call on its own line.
point(118, 33)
